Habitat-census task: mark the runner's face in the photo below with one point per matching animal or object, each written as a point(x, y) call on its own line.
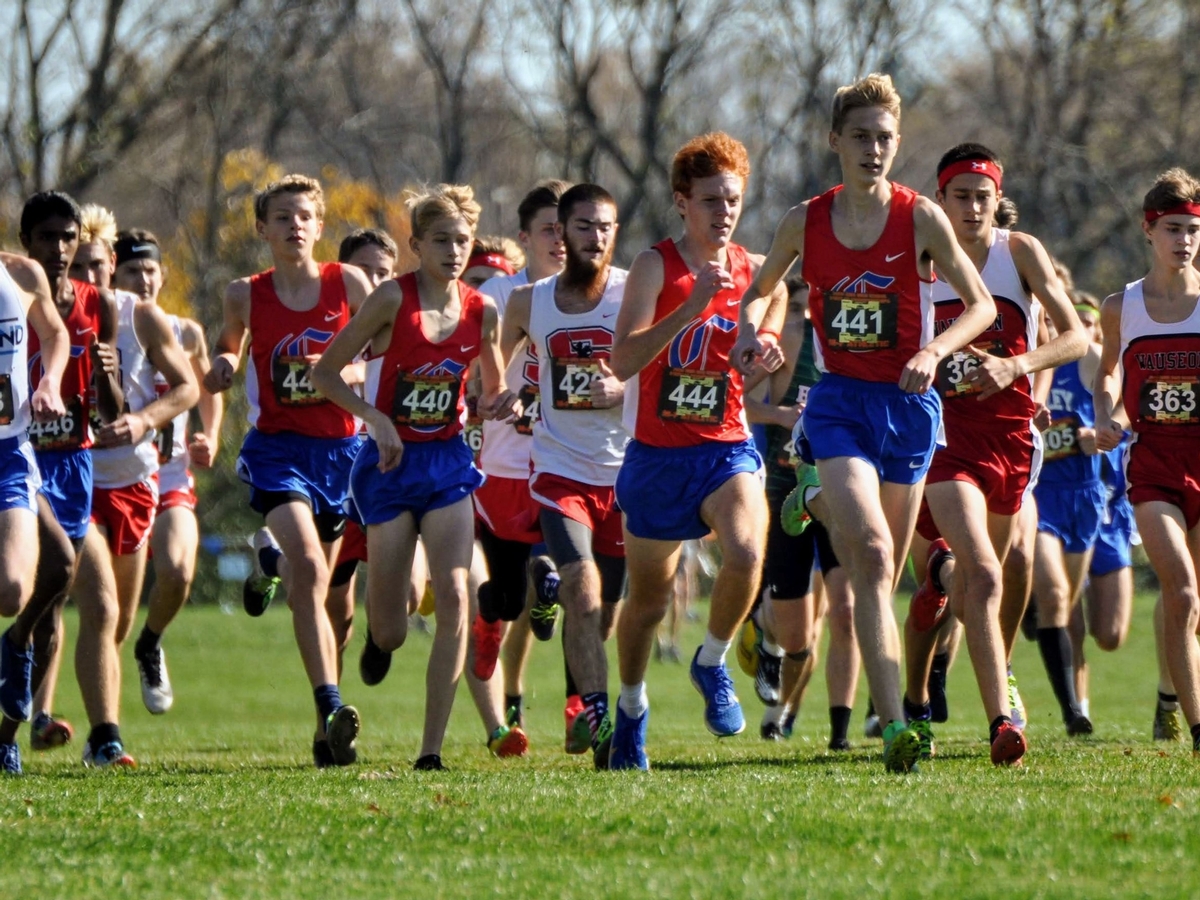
point(866, 145)
point(52, 244)
point(292, 227)
point(591, 235)
point(1090, 322)
point(445, 248)
point(711, 212)
point(376, 262)
point(93, 264)
point(970, 202)
point(544, 249)
point(477, 275)
point(1174, 240)
point(141, 277)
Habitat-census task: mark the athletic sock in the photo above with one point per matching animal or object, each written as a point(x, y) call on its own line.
point(104, 733)
point(633, 700)
point(147, 642)
point(1055, 645)
point(513, 701)
point(329, 700)
point(914, 711)
point(937, 686)
point(772, 648)
point(1085, 707)
point(839, 722)
point(712, 651)
point(268, 560)
point(1168, 702)
point(995, 727)
point(595, 705)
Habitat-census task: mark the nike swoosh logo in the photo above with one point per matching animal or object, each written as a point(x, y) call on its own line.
point(915, 465)
point(733, 302)
point(329, 317)
point(894, 256)
point(465, 349)
point(79, 331)
point(607, 315)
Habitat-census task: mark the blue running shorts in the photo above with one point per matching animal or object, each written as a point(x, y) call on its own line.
point(19, 476)
point(431, 474)
point(892, 429)
point(1072, 513)
point(290, 463)
point(1113, 543)
point(67, 485)
point(660, 489)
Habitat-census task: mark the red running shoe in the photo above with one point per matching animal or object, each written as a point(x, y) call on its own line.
point(486, 639)
point(1009, 745)
point(579, 735)
point(929, 605)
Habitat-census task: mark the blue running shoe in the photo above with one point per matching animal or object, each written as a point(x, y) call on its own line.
point(722, 711)
point(628, 749)
point(10, 759)
point(16, 677)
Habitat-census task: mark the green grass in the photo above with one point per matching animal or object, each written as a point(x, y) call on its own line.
point(226, 803)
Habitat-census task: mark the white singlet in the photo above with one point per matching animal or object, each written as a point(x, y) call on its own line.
point(506, 445)
point(117, 467)
point(14, 360)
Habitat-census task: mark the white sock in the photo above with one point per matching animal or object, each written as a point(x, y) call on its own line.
point(775, 713)
point(1084, 707)
point(633, 700)
point(713, 650)
point(771, 647)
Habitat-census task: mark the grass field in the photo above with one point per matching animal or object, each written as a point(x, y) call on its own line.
point(226, 803)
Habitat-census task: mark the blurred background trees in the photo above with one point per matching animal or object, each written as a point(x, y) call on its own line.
point(172, 114)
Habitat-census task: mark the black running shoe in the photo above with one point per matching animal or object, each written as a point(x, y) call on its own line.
point(543, 615)
point(374, 663)
point(937, 694)
point(839, 744)
point(1080, 726)
point(767, 677)
point(341, 731)
point(322, 755)
point(429, 763)
point(770, 731)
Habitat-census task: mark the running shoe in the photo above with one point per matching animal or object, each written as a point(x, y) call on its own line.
point(749, 646)
point(1008, 746)
point(259, 589)
point(839, 745)
point(768, 677)
point(47, 732)
point(508, 741)
point(929, 605)
point(514, 718)
point(156, 683)
point(322, 757)
point(110, 756)
point(1015, 703)
point(924, 730)
point(1080, 726)
point(770, 730)
point(872, 727)
point(485, 640)
point(341, 731)
point(629, 742)
point(788, 725)
point(1167, 726)
point(374, 663)
point(901, 747)
point(602, 745)
point(10, 759)
point(579, 733)
point(430, 762)
point(543, 615)
point(793, 514)
point(722, 711)
point(16, 676)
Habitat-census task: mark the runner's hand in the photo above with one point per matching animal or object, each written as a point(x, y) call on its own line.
point(993, 373)
point(1108, 435)
point(710, 281)
point(219, 377)
point(919, 372)
point(201, 451)
point(46, 404)
point(746, 355)
point(104, 358)
point(1041, 417)
point(772, 354)
point(127, 430)
point(502, 409)
point(607, 389)
point(391, 448)
point(1087, 441)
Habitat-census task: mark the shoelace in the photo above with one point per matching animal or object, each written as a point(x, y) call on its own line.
point(724, 695)
point(150, 665)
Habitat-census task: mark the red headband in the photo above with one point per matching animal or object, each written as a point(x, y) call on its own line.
point(492, 261)
point(970, 167)
point(1179, 209)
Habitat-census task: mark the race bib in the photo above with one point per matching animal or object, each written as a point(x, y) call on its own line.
point(425, 401)
point(954, 370)
point(1169, 400)
point(64, 433)
point(696, 397)
point(531, 403)
point(571, 378)
point(8, 412)
point(473, 430)
point(861, 321)
point(1061, 439)
point(787, 458)
point(290, 378)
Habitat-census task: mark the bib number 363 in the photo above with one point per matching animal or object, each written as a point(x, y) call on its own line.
point(1169, 402)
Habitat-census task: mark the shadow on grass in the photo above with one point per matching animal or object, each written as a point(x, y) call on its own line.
point(820, 760)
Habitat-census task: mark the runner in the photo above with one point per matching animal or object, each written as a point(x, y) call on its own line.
point(297, 455)
point(493, 257)
point(871, 424)
point(415, 471)
point(691, 466)
point(26, 304)
point(1149, 362)
point(977, 483)
point(578, 441)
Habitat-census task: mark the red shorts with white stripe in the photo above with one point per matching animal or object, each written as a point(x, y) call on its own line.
point(588, 504)
point(354, 544)
point(176, 487)
point(1167, 471)
point(126, 514)
point(505, 506)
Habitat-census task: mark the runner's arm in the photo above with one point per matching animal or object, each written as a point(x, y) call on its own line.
point(758, 303)
point(1106, 387)
point(231, 342)
point(514, 324)
point(110, 399)
point(496, 401)
point(203, 446)
point(46, 402)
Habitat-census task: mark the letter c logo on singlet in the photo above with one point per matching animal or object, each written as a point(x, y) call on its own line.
point(291, 367)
